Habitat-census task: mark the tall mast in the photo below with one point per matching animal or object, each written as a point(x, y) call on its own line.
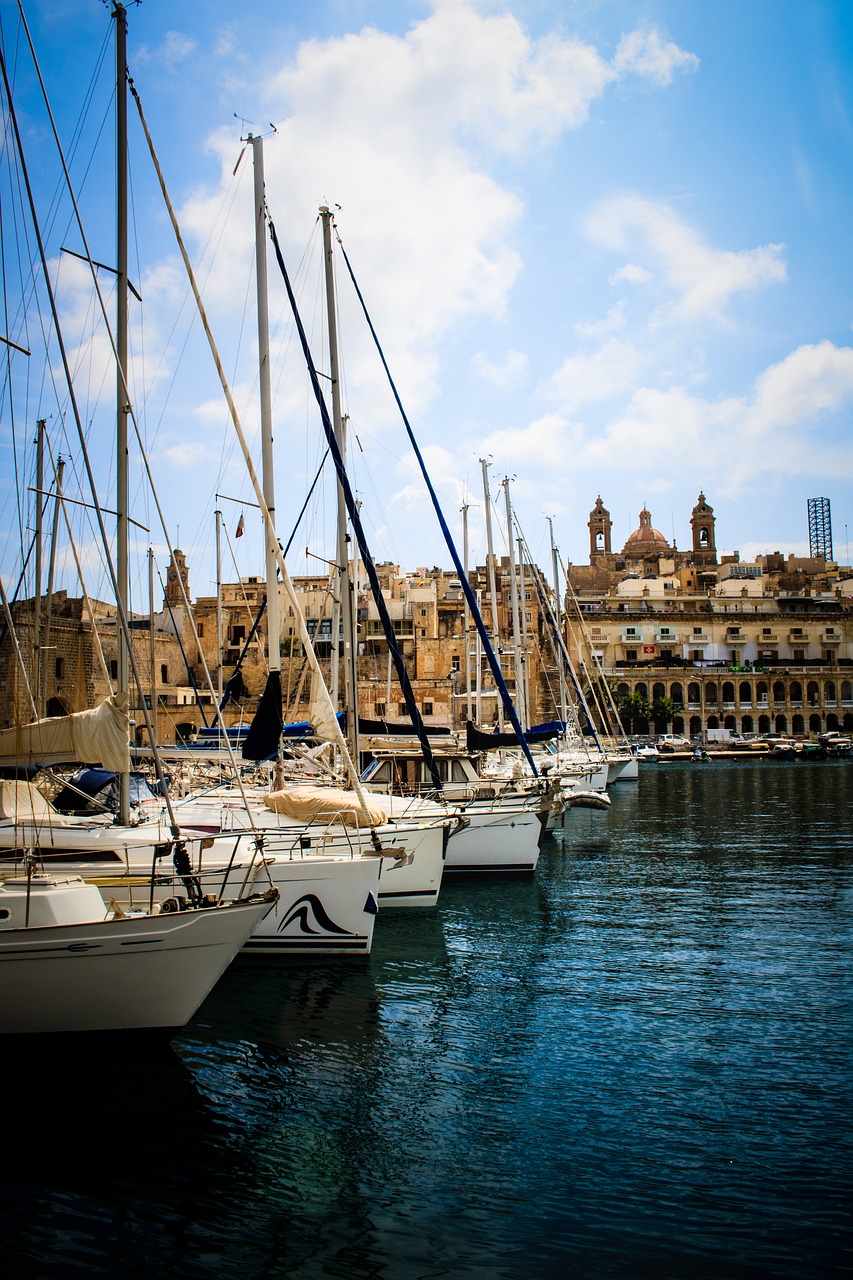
point(218, 515)
point(467, 613)
point(558, 617)
point(48, 611)
point(342, 551)
point(36, 671)
point(492, 583)
point(525, 650)
point(122, 504)
point(516, 626)
point(152, 653)
point(268, 475)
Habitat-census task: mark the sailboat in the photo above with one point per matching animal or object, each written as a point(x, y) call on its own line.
point(68, 964)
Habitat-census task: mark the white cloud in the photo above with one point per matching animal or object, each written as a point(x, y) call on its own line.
point(614, 320)
point(701, 278)
point(649, 54)
point(509, 372)
point(605, 373)
point(396, 129)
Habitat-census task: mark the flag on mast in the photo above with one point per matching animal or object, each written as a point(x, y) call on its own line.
point(240, 524)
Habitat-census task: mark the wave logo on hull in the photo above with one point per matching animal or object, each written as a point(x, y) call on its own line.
point(313, 919)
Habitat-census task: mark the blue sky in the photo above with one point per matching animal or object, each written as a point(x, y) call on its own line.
point(607, 245)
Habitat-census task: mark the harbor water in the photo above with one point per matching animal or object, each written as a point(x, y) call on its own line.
point(637, 1064)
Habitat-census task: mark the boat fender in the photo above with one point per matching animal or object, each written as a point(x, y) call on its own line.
point(183, 866)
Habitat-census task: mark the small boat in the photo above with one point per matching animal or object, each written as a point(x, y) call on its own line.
point(586, 799)
point(68, 965)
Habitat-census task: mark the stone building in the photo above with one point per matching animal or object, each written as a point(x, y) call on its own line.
point(755, 648)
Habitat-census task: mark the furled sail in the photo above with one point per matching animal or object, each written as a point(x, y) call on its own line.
point(99, 736)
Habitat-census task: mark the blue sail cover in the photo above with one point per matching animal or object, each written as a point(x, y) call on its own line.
point(358, 529)
point(500, 683)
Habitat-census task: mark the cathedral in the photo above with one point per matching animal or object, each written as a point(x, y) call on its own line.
point(646, 547)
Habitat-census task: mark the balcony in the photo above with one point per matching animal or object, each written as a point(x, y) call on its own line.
point(828, 638)
point(798, 638)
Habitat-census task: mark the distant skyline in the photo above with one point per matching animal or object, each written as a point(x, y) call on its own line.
point(606, 244)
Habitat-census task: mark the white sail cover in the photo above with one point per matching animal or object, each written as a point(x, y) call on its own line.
point(327, 804)
point(99, 736)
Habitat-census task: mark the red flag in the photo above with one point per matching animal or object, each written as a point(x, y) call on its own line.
point(240, 524)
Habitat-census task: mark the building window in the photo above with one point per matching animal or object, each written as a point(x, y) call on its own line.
point(200, 629)
point(402, 709)
point(380, 710)
point(631, 655)
point(164, 673)
point(113, 668)
point(60, 668)
point(423, 612)
point(427, 708)
point(799, 655)
point(455, 662)
point(238, 635)
point(696, 655)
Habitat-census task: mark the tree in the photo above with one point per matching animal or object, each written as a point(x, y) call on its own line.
point(634, 710)
point(663, 712)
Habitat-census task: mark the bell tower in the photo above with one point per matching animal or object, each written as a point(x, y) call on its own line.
point(600, 525)
point(177, 573)
point(702, 523)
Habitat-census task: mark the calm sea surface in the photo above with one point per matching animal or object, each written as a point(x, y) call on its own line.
point(638, 1064)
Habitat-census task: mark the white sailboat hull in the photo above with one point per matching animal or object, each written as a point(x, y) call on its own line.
point(146, 973)
point(496, 840)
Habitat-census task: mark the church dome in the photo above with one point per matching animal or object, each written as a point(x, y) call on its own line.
point(646, 538)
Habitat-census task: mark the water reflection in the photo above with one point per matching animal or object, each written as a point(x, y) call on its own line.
point(636, 1064)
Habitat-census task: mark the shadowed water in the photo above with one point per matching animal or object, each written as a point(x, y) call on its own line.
point(637, 1064)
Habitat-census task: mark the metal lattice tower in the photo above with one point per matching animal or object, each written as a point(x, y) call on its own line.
point(820, 528)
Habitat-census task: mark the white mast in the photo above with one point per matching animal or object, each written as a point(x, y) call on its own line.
point(342, 552)
point(496, 639)
point(122, 407)
point(467, 623)
point(267, 470)
point(516, 628)
point(558, 618)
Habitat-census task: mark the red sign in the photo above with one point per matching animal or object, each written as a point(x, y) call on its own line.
point(648, 648)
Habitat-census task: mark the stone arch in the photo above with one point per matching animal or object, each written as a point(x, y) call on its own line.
point(728, 692)
point(796, 691)
point(713, 722)
point(778, 691)
point(847, 722)
point(695, 726)
point(712, 695)
point(694, 692)
point(798, 725)
point(185, 730)
point(813, 693)
point(781, 724)
point(763, 724)
point(642, 689)
point(747, 725)
point(829, 691)
point(832, 720)
point(622, 689)
point(762, 693)
point(658, 690)
point(847, 690)
point(730, 723)
point(56, 707)
point(744, 692)
point(814, 724)
point(676, 692)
